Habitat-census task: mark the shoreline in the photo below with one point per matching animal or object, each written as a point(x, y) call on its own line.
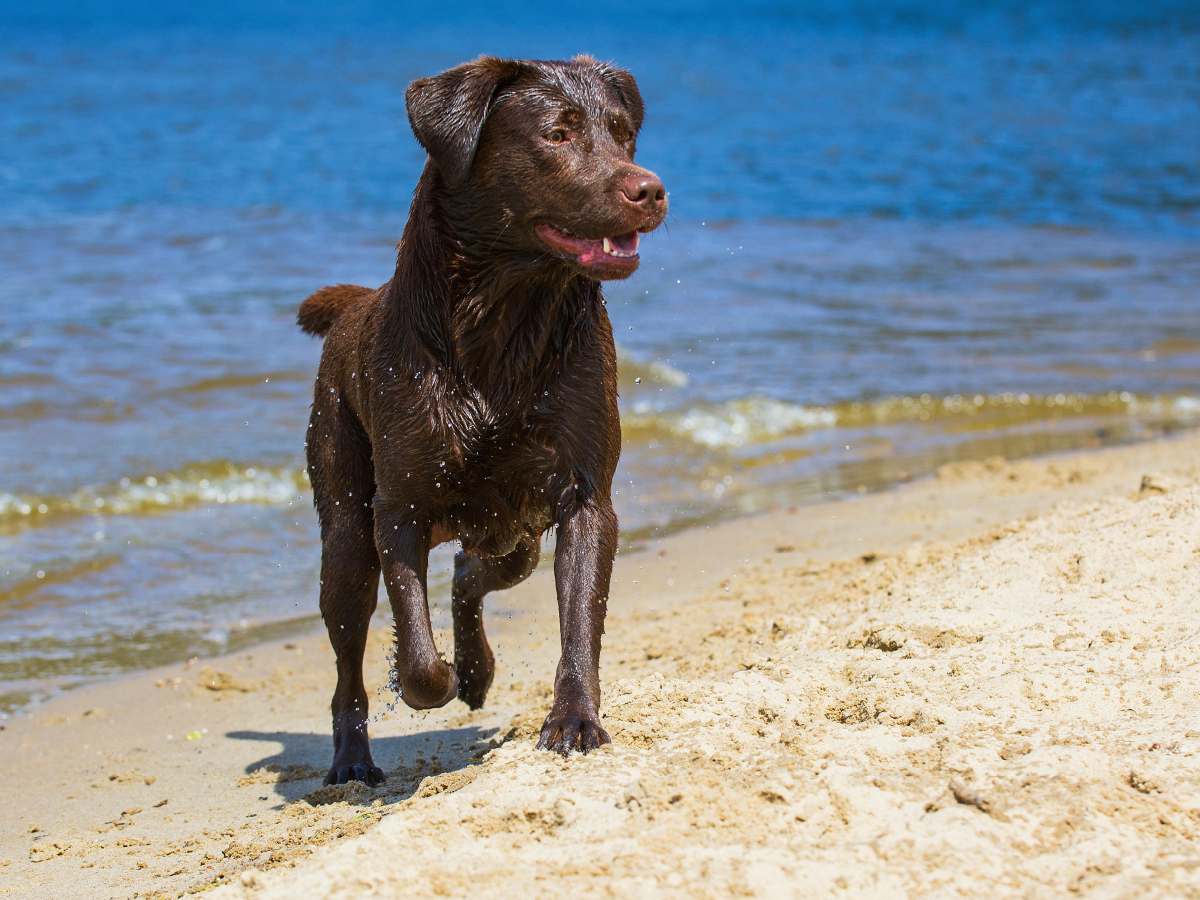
point(637, 541)
point(120, 809)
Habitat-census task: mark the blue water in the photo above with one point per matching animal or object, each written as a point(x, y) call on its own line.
point(921, 231)
point(1071, 113)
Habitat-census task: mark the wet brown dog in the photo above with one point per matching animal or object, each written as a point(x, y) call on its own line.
point(474, 396)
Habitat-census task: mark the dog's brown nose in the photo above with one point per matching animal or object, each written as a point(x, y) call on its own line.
point(646, 191)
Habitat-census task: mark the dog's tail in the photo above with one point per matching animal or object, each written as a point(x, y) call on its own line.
point(318, 313)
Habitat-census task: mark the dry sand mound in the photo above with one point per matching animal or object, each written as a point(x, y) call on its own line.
point(1012, 716)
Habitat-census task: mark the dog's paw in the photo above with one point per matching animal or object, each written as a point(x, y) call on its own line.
point(475, 678)
point(431, 687)
point(473, 694)
point(567, 731)
point(368, 773)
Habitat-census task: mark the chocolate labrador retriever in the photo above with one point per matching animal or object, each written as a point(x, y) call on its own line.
point(474, 396)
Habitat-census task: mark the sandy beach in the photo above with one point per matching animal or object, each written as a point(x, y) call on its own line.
point(979, 684)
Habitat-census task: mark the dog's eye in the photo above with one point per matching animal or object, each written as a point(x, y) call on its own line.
point(557, 136)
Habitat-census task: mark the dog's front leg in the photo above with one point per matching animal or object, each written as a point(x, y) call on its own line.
point(583, 558)
point(423, 678)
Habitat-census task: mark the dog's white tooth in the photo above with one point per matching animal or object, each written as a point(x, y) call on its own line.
point(607, 246)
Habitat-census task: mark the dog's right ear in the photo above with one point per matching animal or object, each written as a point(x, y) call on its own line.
point(447, 111)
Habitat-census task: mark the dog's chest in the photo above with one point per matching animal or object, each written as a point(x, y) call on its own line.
point(498, 487)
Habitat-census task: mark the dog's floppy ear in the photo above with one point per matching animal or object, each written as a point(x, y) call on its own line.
point(622, 82)
point(447, 111)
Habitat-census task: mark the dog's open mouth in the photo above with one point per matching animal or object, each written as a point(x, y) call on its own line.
point(616, 253)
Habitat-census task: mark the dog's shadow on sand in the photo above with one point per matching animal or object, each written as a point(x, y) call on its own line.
point(406, 759)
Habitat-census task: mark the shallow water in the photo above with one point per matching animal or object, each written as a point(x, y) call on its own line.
point(900, 236)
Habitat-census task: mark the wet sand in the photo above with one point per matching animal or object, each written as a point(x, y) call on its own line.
point(979, 684)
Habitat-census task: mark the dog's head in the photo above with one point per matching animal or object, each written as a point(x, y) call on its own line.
point(540, 154)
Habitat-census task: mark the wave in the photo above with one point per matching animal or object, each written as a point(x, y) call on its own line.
point(634, 369)
point(729, 425)
point(216, 482)
point(751, 420)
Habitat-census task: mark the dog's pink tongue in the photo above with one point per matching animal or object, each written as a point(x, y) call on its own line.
point(626, 243)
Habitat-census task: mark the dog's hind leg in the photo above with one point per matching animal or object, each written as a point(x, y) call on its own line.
point(343, 483)
point(474, 577)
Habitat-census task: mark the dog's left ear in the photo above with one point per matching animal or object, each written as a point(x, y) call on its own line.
point(447, 111)
point(622, 82)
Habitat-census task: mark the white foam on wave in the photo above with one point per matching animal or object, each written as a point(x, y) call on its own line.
point(735, 423)
point(221, 484)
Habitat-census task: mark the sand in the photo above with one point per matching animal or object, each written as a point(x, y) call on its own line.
point(983, 684)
